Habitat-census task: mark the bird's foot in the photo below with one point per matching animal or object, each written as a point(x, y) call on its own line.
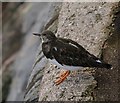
point(62, 77)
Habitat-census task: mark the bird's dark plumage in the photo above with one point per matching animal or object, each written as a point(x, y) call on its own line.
point(68, 52)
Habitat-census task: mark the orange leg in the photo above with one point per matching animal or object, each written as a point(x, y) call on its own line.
point(62, 77)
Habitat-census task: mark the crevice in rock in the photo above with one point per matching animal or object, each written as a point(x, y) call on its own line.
point(108, 80)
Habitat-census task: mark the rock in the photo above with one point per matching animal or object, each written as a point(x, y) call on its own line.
point(86, 24)
point(71, 20)
point(108, 84)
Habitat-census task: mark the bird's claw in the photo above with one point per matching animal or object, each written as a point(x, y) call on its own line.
point(62, 77)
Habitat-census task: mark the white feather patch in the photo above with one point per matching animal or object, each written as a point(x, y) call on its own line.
point(98, 61)
point(73, 45)
point(55, 48)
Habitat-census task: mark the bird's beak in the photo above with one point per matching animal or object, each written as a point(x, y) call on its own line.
point(37, 34)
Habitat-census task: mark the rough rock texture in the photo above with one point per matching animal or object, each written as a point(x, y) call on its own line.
point(108, 81)
point(86, 24)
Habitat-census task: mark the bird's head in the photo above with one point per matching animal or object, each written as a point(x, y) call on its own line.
point(46, 36)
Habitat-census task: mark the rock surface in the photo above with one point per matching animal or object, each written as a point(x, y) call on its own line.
point(86, 24)
point(108, 81)
point(93, 25)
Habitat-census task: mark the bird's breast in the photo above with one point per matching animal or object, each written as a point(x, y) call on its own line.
point(67, 67)
point(46, 48)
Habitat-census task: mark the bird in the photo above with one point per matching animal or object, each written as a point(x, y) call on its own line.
point(67, 54)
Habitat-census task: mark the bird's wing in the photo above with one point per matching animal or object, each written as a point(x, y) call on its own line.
point(73, 43)
point(68, 52)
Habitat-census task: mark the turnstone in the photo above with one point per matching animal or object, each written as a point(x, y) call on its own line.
point(67, 54)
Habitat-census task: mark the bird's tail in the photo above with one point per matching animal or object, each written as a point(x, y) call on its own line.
point(105, 65)
point(96, 62)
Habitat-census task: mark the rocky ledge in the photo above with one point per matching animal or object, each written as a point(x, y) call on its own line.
point(89, 24)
